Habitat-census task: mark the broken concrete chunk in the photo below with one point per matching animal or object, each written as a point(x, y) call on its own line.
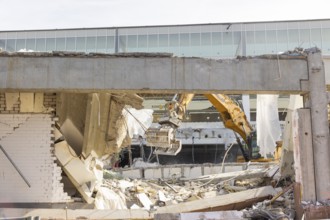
point(145, 201)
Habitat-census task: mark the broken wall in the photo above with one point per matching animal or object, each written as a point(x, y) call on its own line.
point(10, 103)
point(106, 130)
point(71, 110)
point(28, 140)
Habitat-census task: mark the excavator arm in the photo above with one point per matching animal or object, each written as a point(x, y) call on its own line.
point(163, 138)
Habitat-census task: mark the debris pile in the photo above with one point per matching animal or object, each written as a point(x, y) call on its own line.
point(223, 191)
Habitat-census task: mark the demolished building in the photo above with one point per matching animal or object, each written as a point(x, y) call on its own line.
point(63, 113)
point(89, 125)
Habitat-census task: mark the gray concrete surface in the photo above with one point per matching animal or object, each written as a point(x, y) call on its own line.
point(67, 73)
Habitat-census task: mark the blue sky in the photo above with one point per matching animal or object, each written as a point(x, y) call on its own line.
point(52, 14)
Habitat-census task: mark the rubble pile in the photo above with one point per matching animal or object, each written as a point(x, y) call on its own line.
point(118, 192)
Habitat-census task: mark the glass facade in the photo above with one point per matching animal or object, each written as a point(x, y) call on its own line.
point(206, 40)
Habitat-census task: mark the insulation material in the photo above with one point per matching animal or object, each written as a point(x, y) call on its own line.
point(11, 99)
point(27, 102)
point(268, 124)
point(39, 102)
point(138, 121)
point(109, 199)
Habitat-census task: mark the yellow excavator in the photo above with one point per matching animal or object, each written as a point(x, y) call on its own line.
point(233, 117)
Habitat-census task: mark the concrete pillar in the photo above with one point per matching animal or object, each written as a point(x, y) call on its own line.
point(320, 129)
point(303, 153)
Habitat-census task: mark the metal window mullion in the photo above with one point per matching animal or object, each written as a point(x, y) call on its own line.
point(310, 34)
point(299, 38)
point(321, 35)
point(85, 41)
point(287, 36)
point(75, 41)
point(96, 40)
point(65, 36)
point(116, 40)
point(16, 41)
point(276, 36)
point(55, 40)
point(35, 41)
point(106, 41)
point(45, 41)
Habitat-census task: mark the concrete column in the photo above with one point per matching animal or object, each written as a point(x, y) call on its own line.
point(320, 129)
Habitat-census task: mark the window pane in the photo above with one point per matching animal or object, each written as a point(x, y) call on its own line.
point(2, 43)
point(293, 39)
point(216, 38)
point(304, 38)
point(282, 40)
point(101, 44)
point(31, 44)
point(90, 44)
point(131, 41)
point(20, 44)
point(41, 44)
point(195, 39)
point(326, 40)
point(237, 43)
point(271, 42)
point(10, 46)
point(81, 44)
point(142, 42)
point(205, 39)
point(250, 44)
point(110, 44)
point(50, 44)
point(71, 44)
point(163, 40)
point(153, 40)
point(184, 40)
point(174, 40)
point(228, 45)
point(60, 44)
point(316, 40)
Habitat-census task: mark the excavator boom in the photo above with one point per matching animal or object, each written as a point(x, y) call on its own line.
point(163, 138)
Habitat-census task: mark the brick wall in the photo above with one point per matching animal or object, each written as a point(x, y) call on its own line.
point(3, 108)
point(28, 140)
point(49, 102)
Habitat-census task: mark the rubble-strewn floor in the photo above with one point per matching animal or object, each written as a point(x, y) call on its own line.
point(158, 194)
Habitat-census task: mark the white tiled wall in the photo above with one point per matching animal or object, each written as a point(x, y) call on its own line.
point(27, 139)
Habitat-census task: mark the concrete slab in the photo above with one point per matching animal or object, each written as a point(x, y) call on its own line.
point(60, 73)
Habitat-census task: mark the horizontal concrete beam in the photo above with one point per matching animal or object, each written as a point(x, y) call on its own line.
point(150, 74)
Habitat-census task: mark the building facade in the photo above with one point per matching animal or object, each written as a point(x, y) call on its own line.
point(226, 40)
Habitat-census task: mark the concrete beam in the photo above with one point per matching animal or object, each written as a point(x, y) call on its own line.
point(151, 74)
